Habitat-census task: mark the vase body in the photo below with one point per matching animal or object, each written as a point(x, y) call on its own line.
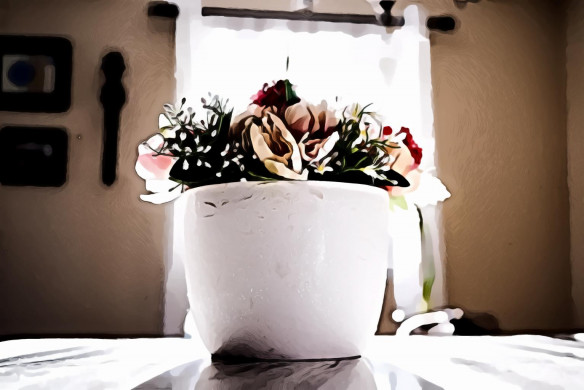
point(285, 270)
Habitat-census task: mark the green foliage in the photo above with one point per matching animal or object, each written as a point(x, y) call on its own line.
point(205, 154)
point(359, 158)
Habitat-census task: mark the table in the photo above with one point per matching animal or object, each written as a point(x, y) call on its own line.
point(392, 362)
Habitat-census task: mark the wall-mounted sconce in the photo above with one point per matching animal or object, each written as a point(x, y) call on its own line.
point(163, 9)
point(462, 3)
point(443, 23)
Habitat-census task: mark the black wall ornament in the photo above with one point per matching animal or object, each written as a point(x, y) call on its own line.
point(112, 98)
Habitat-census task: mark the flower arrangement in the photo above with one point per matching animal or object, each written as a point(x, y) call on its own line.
point(278, 137)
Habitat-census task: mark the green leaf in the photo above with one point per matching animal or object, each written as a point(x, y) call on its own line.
point(397, 201)
point(291, 97)
point(427, 289)
point(260, 177)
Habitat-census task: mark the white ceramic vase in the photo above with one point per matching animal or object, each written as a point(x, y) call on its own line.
point(286, 270)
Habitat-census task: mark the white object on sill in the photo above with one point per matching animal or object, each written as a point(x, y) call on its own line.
point(441, 318)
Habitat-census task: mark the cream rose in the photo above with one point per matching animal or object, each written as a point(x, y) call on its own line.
point(262, 132)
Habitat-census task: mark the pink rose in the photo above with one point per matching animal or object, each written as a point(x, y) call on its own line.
point(155, 170)
point(404, 160)
point(314, 127)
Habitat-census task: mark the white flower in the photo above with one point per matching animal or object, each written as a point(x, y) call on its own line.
point(369, 125)
point(430, 191)
point(167, 128)
point(322, 167)
point(370, 171)
point(163, 197)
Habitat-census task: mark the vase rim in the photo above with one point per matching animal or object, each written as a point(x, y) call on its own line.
point(309, 183)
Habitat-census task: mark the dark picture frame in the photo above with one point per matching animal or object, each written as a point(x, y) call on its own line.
point(33, 156)
point(35, 73)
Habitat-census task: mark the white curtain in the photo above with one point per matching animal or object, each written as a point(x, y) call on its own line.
point(234, 57)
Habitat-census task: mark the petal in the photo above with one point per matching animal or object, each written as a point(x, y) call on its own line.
point(295, 158)
point(297, 116)
point(374, 128)
point(404, 162)
point(430, 191)
point(370, 172)
point(150, 167)
point(331, 120)
point(155, 142)
point(157, 185)
point(259, 144)
point(163, 121)
point(327, 146)
point(283, 171)
point(162, 197)
point(315, 117)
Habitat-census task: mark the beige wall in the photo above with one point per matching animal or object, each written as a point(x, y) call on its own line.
point(575, 93)
point(499, 97)
point(85, 258)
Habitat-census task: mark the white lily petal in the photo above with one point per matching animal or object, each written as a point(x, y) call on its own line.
point(171, 133)
point(163, 121)
point(430, 191)
point(157, 185)
point(162, 197)
point(370, 171)
point(155, 142)
point(328, 146)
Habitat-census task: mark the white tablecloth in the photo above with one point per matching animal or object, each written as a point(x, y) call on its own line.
point(413, 362)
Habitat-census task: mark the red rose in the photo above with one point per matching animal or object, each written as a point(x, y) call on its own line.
point(415, 150)
point(386, 132)
point(280, 95)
